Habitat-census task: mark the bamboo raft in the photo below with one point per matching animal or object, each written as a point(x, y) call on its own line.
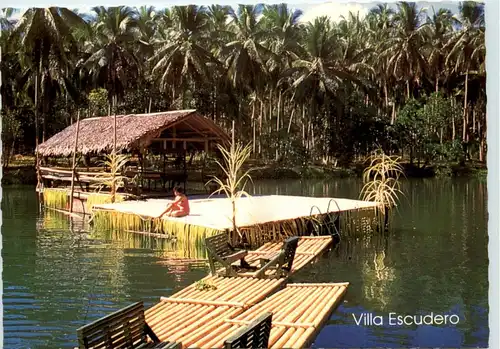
point(204, 319)
point(299, 312)
point(192, 315)
point(309, 249)
point(196, 315)
point(260, 219)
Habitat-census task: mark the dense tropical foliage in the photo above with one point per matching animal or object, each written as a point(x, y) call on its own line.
point(408, 80)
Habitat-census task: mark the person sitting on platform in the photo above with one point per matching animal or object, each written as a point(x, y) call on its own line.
point(179, 207)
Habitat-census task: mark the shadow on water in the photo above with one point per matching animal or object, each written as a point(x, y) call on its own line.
point(58, 275)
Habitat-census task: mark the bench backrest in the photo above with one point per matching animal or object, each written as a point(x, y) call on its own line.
point(289, 249)
point(219, 245)
point(123, 328)
point(255, 335)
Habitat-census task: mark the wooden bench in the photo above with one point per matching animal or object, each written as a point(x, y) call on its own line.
point(219, 250)
point(281, 264)
point(255, 335)
point(125, 328)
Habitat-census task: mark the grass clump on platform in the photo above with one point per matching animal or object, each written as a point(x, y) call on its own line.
point(381, 180)
point(114, 178)
point(234, 183)
point(55, 198)
point(204, 285)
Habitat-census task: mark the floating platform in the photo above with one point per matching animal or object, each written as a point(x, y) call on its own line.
point(259, 219)
point(206, 318)
point(196, 314)
point(193, 313)
point(299, 312)
point(309, 249)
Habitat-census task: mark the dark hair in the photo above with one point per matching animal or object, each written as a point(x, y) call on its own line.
point(179, 189)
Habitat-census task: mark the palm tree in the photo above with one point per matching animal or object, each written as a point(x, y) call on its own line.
point(440, 25)
point(245, 56)
point(45, 34)
point(380, 22)
point(147, 22)
point(315, 75)
point(112, 61)
point(183, 55)
point(281, 25)
point(404, 50)
point(466, 49)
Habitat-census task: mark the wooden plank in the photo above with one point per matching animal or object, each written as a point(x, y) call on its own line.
point(317, 284)
point(203, 302)
point(274, 324)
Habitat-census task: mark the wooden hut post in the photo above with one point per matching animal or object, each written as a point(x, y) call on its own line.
point(73, 167)
point(114, 160)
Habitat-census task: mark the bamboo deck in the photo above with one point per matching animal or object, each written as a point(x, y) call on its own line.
point(199, 317)
point(308, 250)
point(216, 213)
point(260, 218)
point(191, 315)
point(299, 312)
point(205, 319)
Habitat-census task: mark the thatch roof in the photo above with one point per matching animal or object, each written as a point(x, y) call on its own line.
point(132, 131)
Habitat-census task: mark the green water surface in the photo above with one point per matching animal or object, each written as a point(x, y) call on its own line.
point(57, 276)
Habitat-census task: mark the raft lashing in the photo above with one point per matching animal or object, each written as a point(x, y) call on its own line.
point(206, 318)
point(259, 219)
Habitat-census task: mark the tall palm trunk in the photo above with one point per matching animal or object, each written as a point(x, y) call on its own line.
point(291, 119)
point(482, 142)
point(304, 125)
point(278, 125)
point(386, 95)
point(393, 114)
point(453, 127)
point(260, 124)
point(270, 110)
point(253, 125)
point(465, 114)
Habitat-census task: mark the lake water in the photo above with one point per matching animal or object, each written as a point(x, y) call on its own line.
point(57, 277)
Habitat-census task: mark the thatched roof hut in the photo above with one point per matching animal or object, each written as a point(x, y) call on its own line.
point(135, 132)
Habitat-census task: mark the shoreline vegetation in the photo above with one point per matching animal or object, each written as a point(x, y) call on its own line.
point(313, 98)
point(24, 173)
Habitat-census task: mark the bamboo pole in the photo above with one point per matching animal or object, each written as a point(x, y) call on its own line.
point(218, 337)
point(113, 180)
point(73, 167)
point(274, 324)
point(203, 302)
point(318, 284)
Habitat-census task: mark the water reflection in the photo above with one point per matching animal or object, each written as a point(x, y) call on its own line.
point(58, 275)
